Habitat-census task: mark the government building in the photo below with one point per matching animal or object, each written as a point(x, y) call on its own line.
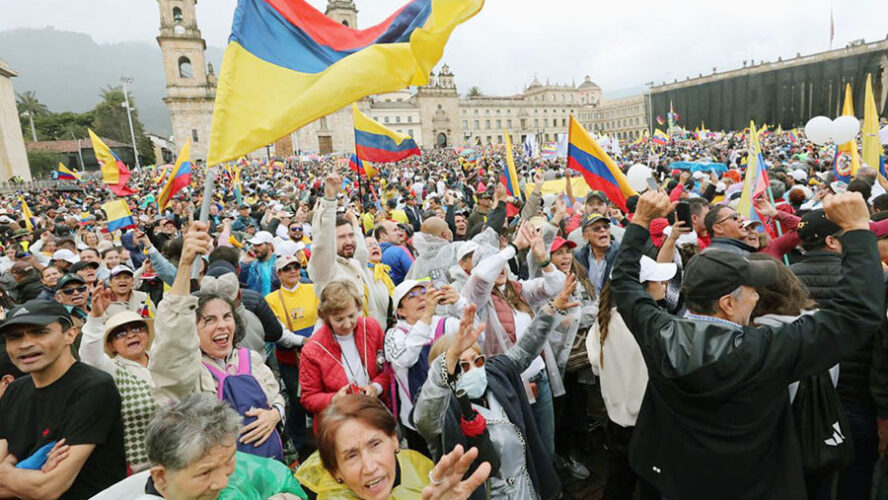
point(785, 92)
point(435, 115)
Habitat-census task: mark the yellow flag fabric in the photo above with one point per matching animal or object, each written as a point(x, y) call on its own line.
point(26, 213)
point(274, 80)
point(850, 147)
point(872, 148)
point(107, 159)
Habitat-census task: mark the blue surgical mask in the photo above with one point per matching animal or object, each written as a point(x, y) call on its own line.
point(474, 382)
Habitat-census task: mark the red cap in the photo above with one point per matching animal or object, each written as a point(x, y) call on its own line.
point(559, 242)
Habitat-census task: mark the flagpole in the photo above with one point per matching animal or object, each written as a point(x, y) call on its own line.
point(209, 187)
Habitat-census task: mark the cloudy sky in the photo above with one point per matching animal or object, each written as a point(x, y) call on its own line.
point(619, 44)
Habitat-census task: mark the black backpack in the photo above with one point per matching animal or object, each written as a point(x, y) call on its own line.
point(821, 426)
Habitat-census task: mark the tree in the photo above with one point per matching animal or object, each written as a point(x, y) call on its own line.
point(110, 121)
point(475, 92)
point(27, 103)
point(43, 163)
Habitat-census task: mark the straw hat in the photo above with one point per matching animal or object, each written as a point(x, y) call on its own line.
point(125, 318)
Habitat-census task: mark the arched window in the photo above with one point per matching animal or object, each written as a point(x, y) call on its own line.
point(185, 68)
point(345, 22)
point(177, 14)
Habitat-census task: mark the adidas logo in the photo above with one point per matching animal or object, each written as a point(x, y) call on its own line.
point(837, 437)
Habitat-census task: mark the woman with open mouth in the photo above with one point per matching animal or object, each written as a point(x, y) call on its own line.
point(120, 346)
point(197, 350)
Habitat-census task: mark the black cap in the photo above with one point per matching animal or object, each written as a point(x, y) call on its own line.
point(814, 226)
point(68, 278)
point(36, 312)
point(596, 194)
point(715, 273)
point(592, 218)
point(82, 264)
point(243, 206)
point(485, 194)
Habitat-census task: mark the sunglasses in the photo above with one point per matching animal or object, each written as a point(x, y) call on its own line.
point(71, 291)
point(290, 267)
point(478, 362)
point(125, 330)
point(733, 216)
point(296, 228)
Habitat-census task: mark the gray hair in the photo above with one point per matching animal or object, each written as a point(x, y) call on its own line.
point(182, 433)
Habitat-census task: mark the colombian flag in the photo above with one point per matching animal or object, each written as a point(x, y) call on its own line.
point(510, 175)
point(114, 172)
point(288, 65)
point(375, 142)
point(600, 172)
point(179, 177)
point(361, 168)
point(660, 137)
point(119, 215)
point(756, 181)
point(66, 174)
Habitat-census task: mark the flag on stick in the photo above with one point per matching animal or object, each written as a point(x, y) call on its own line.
point(114, 172)
point(597, 168)
point(180, 176)
point(67, 174)
point(376, 142)
point(119, 215)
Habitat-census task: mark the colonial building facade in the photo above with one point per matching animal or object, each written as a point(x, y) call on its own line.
point(435, 115)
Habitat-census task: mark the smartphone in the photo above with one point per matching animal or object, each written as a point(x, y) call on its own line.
point(683, 213)
point(652, 184)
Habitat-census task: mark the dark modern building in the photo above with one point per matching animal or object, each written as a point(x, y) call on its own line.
point(787, 92)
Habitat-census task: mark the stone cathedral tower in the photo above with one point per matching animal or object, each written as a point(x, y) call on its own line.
point(343, 11)
point(191, 83)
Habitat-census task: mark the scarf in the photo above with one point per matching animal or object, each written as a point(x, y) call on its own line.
point(381, 273)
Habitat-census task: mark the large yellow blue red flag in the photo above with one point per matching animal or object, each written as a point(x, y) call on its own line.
point(114, 172)
point(850, 147)
point(756, 181)
point(510, 175)
point(119, 215)
point(377, 143)
point(288, 65)
point(585, 155)
point(180, 176)
point(65, 173)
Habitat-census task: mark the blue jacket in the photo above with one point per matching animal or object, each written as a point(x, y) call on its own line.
point(260, 276)
point(398, 259)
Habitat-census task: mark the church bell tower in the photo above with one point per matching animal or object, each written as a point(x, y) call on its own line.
point(343, 12)
point(191, 82)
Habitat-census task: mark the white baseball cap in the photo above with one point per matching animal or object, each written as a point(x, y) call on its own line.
point(652, 270)
point(261, 237)
point(465, 249)
point(65, 255)
point(405, 287)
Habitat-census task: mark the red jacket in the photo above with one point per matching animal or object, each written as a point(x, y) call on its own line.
point(321, 373)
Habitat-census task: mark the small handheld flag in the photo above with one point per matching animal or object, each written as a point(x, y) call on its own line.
point(756, 181)
point(585, 155)
point(67, 174)
point(510, 175)
point(119, 215)
point(114, 172)
point(180, 176)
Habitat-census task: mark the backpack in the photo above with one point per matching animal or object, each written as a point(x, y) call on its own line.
point(821, 425)
point(242, 392)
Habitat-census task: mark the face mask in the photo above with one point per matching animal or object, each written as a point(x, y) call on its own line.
point(474, 382)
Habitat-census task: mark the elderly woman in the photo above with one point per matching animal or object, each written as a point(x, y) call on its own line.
point(359, 457)
point(193, 452)
point(496, 391)
point(196, 351)
point(120, 346)
point(345, 355)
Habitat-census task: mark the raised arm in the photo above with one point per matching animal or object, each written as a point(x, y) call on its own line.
point(531, 343)
point(92, 344)
point(402, 349)
point(322, 265)
point(175, 360)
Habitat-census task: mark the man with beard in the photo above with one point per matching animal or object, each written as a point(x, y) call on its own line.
point(339, 252)
point(258, 267)
point(62, 401)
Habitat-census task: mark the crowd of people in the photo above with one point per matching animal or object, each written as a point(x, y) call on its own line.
point(425, 333)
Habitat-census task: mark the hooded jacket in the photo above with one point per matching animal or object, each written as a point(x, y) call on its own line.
point(715, 421)
point(413, 472)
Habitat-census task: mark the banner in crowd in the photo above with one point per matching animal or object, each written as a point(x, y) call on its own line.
point(287, 65)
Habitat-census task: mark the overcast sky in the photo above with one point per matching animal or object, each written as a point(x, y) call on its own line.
point(620, 44)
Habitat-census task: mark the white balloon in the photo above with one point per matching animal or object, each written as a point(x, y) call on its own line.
point(819, 130)
point(637, 176)
point(845, 129)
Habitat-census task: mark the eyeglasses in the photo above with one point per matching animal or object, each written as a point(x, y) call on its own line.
point(290, 267)
point(72, 290)
point(123, 331)
point(599, 229)
point(477, 362)
point(733, 216)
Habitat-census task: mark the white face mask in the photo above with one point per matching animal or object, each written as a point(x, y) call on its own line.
point(474, 382)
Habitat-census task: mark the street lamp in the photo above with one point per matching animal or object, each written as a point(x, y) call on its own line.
point(30, 118)
point(124, 80)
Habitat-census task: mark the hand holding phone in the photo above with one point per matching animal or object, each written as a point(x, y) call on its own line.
point(683, 213)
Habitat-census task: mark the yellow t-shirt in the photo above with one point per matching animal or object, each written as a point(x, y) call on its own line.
point(399, 216)
point(299, 309)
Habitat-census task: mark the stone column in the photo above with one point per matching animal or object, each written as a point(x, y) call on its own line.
point(13, 157)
